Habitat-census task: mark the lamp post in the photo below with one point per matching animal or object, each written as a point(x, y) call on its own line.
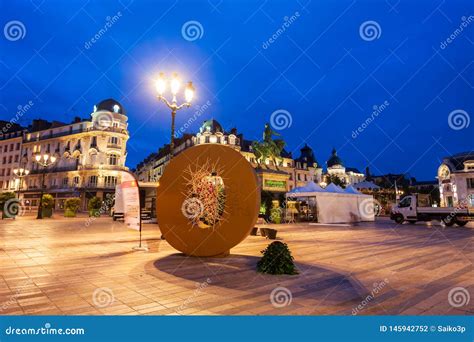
point(43, 160)
point(20, 174)
point(174, 84)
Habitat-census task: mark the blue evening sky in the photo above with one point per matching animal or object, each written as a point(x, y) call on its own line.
point(321, 68)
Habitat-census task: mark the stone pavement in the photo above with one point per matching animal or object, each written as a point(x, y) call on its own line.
point(65, 266)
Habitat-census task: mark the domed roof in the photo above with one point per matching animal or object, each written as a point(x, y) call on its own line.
point(307, 156)
point(211, 126)
point(110, 105)
point(334, 159)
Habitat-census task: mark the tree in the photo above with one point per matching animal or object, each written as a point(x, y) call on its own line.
point(336, 181)
point(269, 148)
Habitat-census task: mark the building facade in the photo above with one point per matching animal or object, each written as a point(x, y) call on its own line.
point(456, 180)
point(336, 167)
point(276, 177)
point(282, 177)
point(11, 139)
point(90, 155)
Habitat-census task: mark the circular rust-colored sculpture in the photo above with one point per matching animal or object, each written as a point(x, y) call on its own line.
point(208, 200)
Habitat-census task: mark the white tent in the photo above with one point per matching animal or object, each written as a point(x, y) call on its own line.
point(366, 185)
point(351, 190)
point(335, 205)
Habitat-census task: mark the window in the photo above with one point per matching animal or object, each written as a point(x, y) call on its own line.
point(404, 203)
point(10, 159)
point(93, 181)
point(12, 147)
point(75, 180)
point(113, 140)
point(65, 181)
point(470, 183)
point(5, 148)
point(17, 158)
point(17, 146)
point(8, 172)
point(2, 172)
point(110, 181)
point(113, 159)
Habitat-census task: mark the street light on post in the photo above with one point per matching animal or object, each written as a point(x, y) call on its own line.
point(43, 160)
point(20, 174)
point(174, 84)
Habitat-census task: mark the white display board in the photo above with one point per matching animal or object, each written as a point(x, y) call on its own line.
point(130, 197)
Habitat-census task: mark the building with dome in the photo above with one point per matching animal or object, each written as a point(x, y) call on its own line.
point(336, 167)
point(456, 180)
point(90, 155)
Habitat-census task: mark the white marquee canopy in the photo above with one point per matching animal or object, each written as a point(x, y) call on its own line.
point(336, 205)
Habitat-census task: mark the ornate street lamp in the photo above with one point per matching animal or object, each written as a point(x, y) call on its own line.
point(43, 160)
point(20, 174)
point(174, 84)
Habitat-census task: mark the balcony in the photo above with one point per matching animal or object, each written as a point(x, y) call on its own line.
point(114, 146)
point(54, 170)
point(76, 131)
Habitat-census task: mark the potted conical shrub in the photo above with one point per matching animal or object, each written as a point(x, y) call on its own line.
point(48, 204)
point(94, 205)
point(71, 205)
point(277, 259)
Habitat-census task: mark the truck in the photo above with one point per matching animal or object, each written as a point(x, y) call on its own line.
point(409, 209)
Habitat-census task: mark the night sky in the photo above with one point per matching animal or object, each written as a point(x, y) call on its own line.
point(313, 61)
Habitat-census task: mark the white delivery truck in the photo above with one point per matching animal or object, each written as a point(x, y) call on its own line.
point(408, 209)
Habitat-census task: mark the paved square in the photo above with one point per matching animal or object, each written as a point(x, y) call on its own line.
point(65, 266)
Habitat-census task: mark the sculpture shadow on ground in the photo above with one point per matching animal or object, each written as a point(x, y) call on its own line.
point(238, 272)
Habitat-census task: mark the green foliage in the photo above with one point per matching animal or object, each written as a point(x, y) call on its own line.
point(275, 215)
point(266, 203)
point(48, 201)
point(269, 148)
point(72, 204)
point(336, 181)
point(277, 259)
point(95, 203)
point(4, 197)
